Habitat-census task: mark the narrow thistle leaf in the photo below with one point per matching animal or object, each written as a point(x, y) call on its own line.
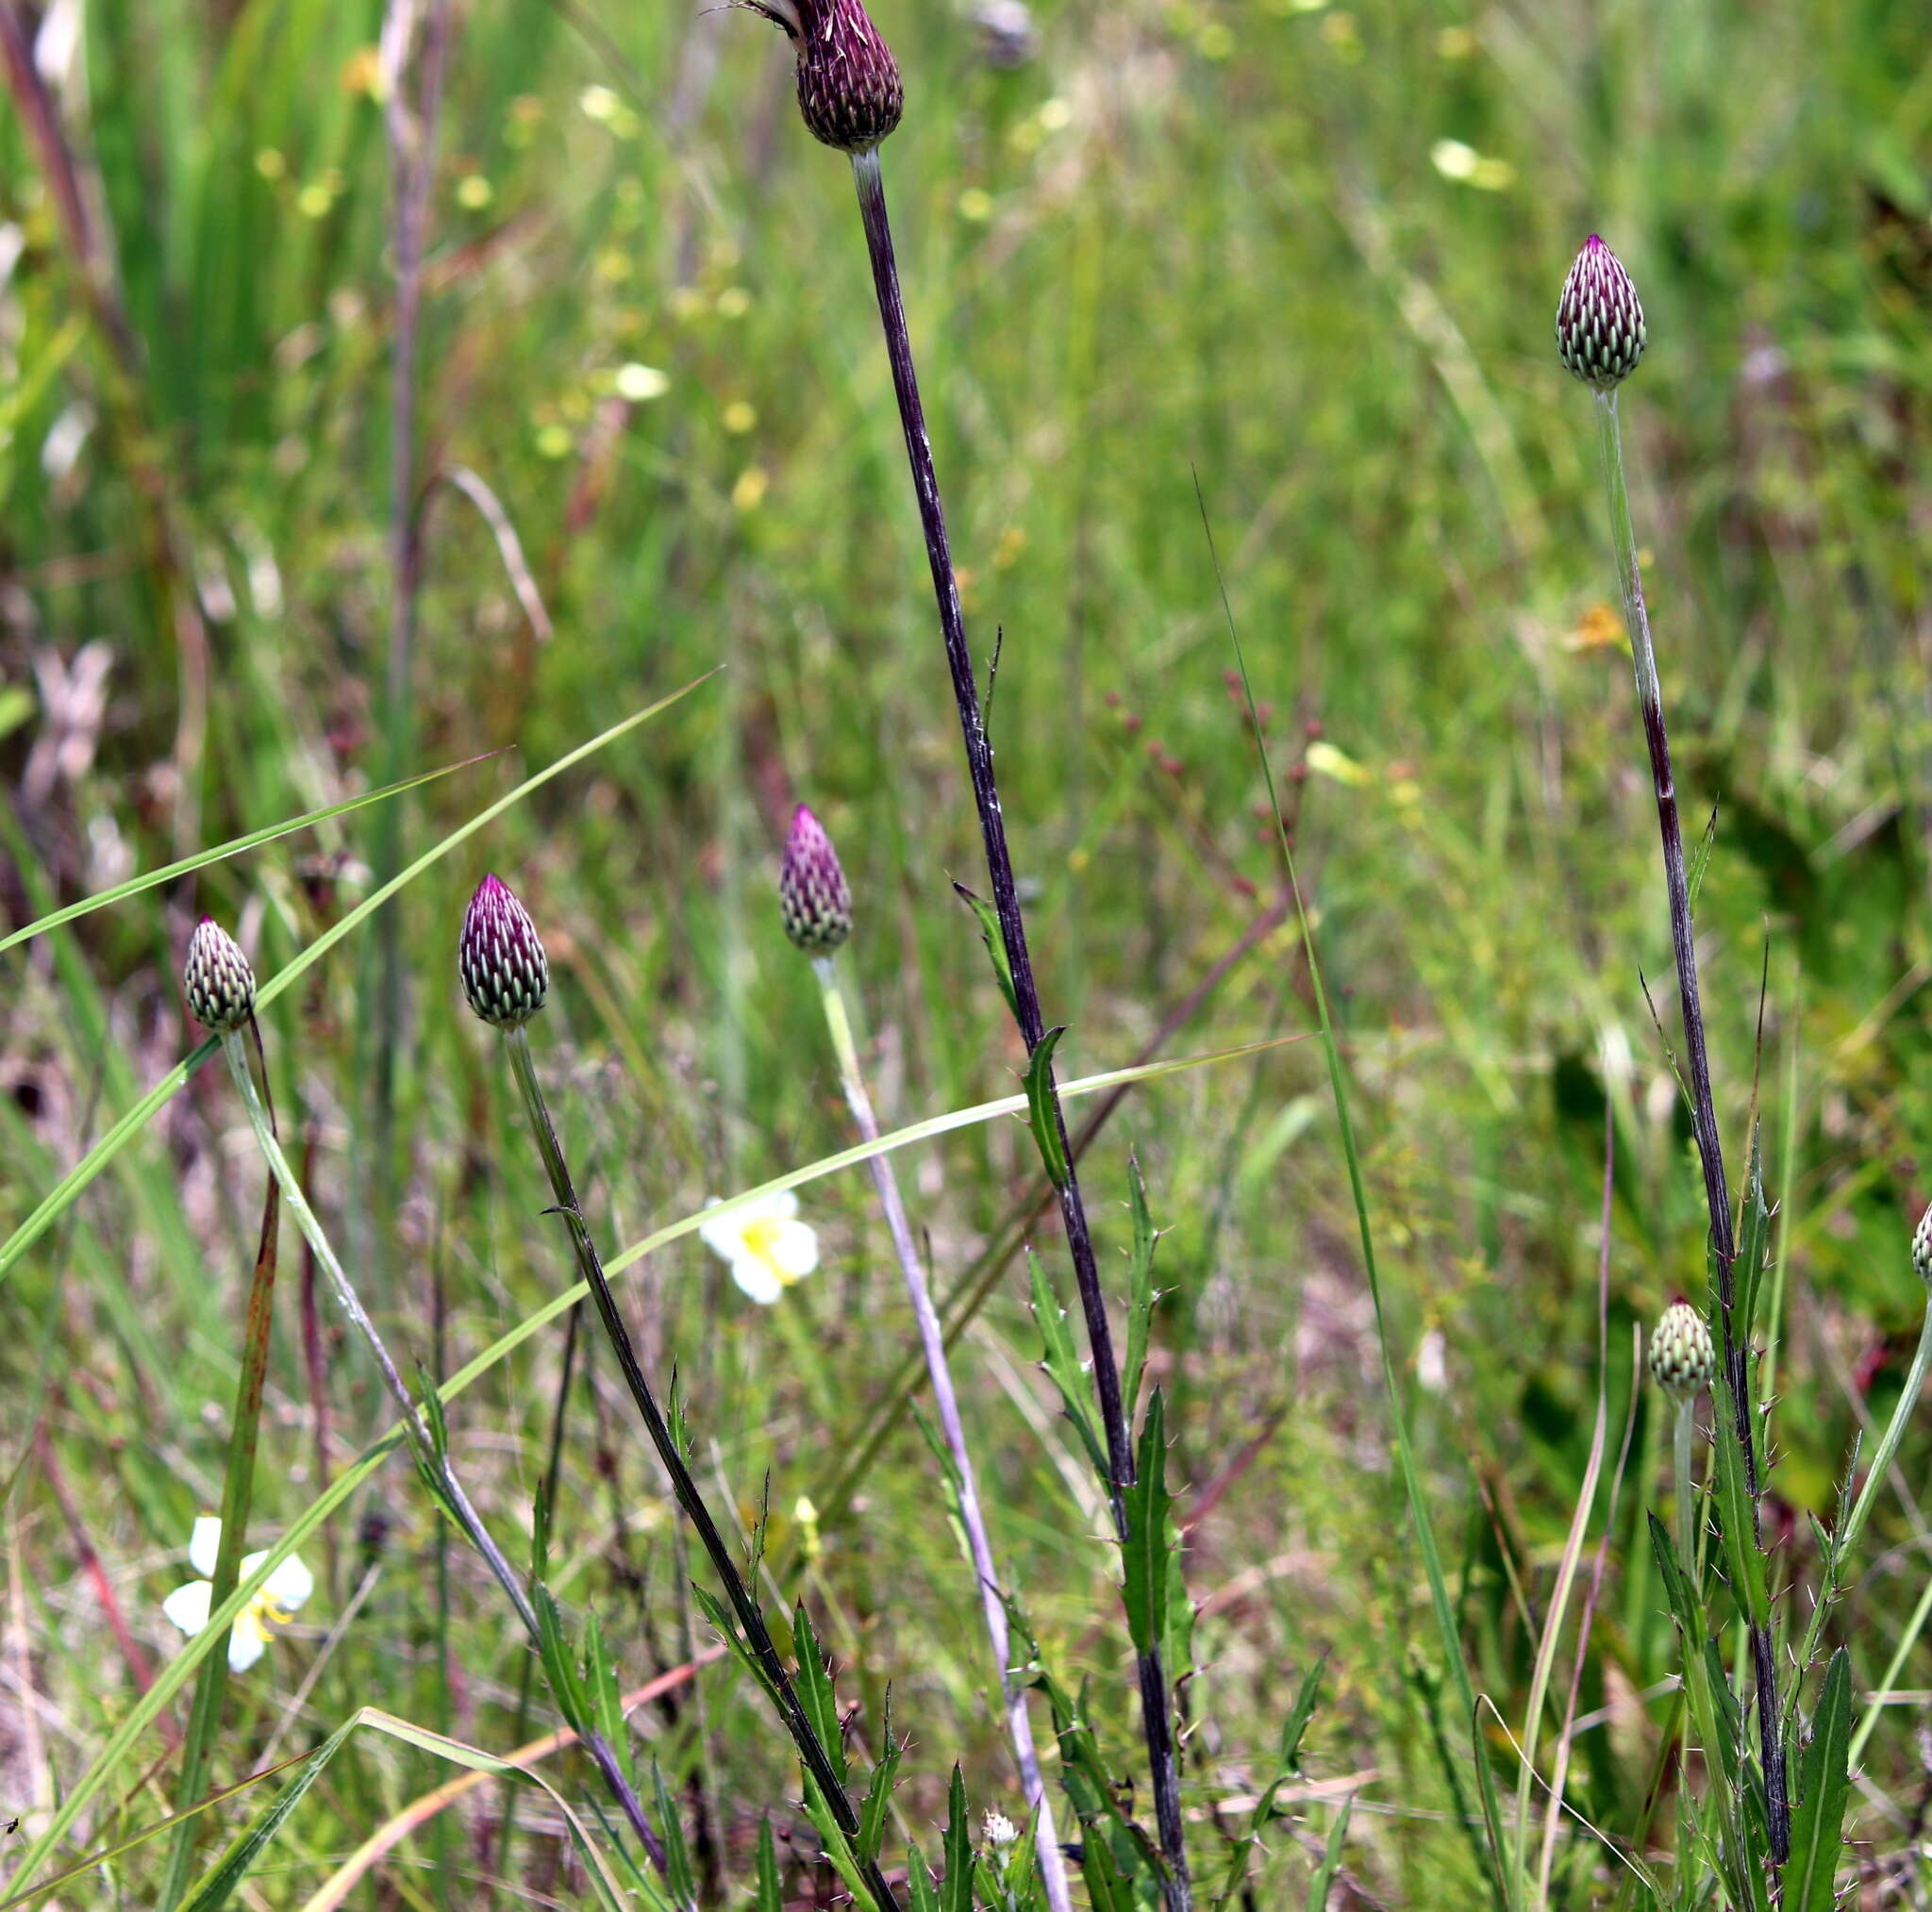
point(1743, 1563)
point(996, 943)
point(1331, 1858)
point(1825, 1786)
point(606, 1708)
point(1140, 1294)
point(816, 1694)
point(1040, 1109)
point(878, 1793)
point(1064, 1367)
point(919, 1885)
point(1144, 1557)
point(955, 1888)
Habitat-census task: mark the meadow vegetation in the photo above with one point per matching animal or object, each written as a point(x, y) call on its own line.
point(433, 387)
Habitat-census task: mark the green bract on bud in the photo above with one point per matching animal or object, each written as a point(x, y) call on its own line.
point(1599, 322)
point(505, 974)
point(216, 979)
point(1922, 1248)
point(1682, 1359)
point(812, 891)
point(849, 90)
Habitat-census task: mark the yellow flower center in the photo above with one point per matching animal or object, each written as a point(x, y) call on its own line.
point(761, 1242)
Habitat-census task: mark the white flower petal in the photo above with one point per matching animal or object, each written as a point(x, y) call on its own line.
point(205, 1544)
point(793, 1249)
point(247, 1643)
point(720, 1236)
point(186, 1606)
point(781, 1206)
point(288, 1586)
point(755, 1277)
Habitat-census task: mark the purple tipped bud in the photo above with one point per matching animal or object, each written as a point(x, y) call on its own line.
point(849, 90)
point(1682, 1359)
point(216, 979)
point(505, 974)
point(1922, 1248)
point(1599, 322)
point(812, 891)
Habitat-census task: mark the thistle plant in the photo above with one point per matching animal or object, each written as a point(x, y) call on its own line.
point(1601, 337)
point(220, 988)
point(816, 904)
point(506, 977)
point(851, 98)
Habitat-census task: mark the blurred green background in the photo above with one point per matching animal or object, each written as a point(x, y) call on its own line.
point(1305, 254)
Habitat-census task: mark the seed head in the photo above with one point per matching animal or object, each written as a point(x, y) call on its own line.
point(1922, 1248)
point(216, 979)
point(1599, 322)
point(812, 892)
point(1682, 1359)
point(505, 974)
point(849, 89)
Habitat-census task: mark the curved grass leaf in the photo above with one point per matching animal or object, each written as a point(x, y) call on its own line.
point(233, 847)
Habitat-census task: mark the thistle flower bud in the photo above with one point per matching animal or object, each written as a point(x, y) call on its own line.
point(506, 974)
point(1922, 1248)
point(1682, 1359)
point(849, 89)
point(1001, 1834)
point(1599, 322)
point(812, 892)
point(216, 979)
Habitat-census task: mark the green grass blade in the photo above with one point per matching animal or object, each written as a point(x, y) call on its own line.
point(233, 847)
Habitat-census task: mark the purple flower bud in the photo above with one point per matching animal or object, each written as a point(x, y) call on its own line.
point(812, 892)
point(849, 89)
point(216, 979)
point(505, 974)
point(1599, 322)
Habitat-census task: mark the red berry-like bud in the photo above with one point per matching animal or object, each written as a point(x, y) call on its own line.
point(1599, 322)
point(506, 974)
point(812, 892)
point(849, 89)
point(216, 979)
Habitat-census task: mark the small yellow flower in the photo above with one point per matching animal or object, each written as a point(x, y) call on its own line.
point(276, 1600)
point(765, 1246)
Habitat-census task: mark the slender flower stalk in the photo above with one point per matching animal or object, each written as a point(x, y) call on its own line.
point(219, 987)
point(213, 1004)
point(506, 977)
point(851, 99)
point(1601, 335)
point(817, 907)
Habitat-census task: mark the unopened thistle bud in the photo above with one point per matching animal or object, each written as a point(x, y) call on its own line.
point(1922, 1248)
point(812, 892)
point(216, 979)
point(1599, 322)
point(1682, 1359)
point(505, 974)
point(849, 90)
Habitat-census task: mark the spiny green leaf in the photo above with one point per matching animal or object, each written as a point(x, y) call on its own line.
point(955, 1888)
point(1143, 1553)
point(1064, 1367)
point(1140, 1296)
point(878, 1793)
point(1331, 1858)
point(1042, 1116)
point(1825, 1786)
point(996, 943)
point(816, 1694)
point(678, 1874)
